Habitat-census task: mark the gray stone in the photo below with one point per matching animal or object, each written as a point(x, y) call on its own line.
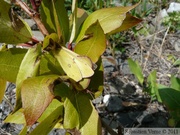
point(114, 104)
point(38, 35)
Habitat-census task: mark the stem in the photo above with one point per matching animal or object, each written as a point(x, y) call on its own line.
point(34, 15)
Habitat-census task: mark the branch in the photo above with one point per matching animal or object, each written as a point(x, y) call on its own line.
point(33, 14)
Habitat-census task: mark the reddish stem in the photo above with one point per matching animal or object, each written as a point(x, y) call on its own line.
point(34, 15)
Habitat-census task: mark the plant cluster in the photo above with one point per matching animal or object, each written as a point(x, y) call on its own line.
point(168, 95)
point(173, 21)
point(57, 78)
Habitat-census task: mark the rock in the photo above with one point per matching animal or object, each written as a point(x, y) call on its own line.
point(30, 22)
point(98, 100)
point(177, 45)
point(148, 118)
point(114, 104)
point(124, 119)
point(133, 115)
point(106, 98)
point(38, 35)
point(174, 7)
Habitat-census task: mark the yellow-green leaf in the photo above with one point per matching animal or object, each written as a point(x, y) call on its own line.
point(10, 61)
point(54, 16)
point(97, 81)
point(36, 96)
point(136, 70)
point(49, 65)
point(17, 117)
point(93, 44)
point(2, 88)
point(52, 106)
point(175, 83)
point(128, 22)
point(13, 29)
point(109, 19)
point(29, 68)
point(81, 114)
point(49, 122)
point(24, 131)
point(81, 16)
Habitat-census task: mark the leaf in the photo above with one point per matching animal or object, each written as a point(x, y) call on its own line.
point(49, 122)
point(153, 88)
point(81, 16)
point(52, 106)
point(175, 83)
point(177, 62)
point(2, 88)
point(24, 131)
point(128, 22)
point(75, 66)
point(136, 70)
point(93, 43)
point(29, 68)
point(81, 85)
point(109, 18)
point(81, 114)
point(74, 20)
point(36, 96)
point(10, 61)
point(13, 29)
point(17, 117)
point(170, 97)
point(97, 81)
point(49, 65)
point(53, 37)
point(54, 16)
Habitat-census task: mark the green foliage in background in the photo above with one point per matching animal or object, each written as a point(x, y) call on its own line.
point(168, 95)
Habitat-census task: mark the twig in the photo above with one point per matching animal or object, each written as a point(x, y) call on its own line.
point(149, 52)
point(7, 100)
point(108, 128)
point(33, 14)
point(160, 51)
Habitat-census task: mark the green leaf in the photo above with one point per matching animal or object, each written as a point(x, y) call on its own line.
point(109, 18)
point(81, 114)
point(136, 70)
point(74, 20)
point(175, 83)
point(128, 22)
point(170, 97)
point(10, 61)
point(49, 122)
point(52, 106)
point(54, 16)
point(177, 62)
point(93, 43)
point(17, 117)
point(13, 29)
point(153, 88)
point(50, 65)
point(29, 68)
point(36, 96)
point(81, 16)
point(97, 84)
point(2, 88)
point(49, 40)
point(24, 131)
